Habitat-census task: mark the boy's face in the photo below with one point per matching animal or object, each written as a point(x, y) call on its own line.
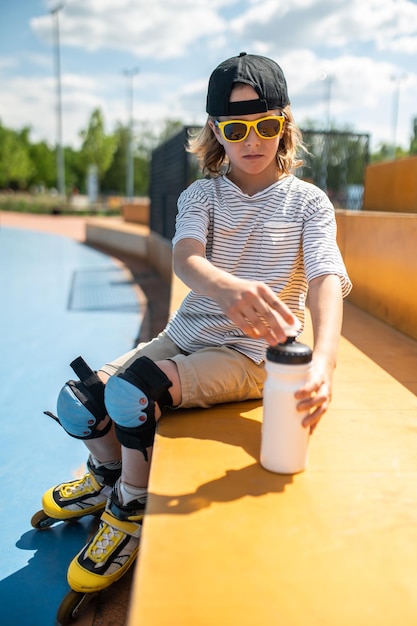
point(254, 155)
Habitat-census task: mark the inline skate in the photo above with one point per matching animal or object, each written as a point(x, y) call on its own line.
point(72, 500)
point(106, 557)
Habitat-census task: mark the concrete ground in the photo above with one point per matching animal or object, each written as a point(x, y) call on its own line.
point(110, 607)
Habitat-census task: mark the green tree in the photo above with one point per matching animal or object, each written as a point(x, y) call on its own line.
point(44, 165)
point(150, 136)
point(24, 164)
point(16, 167)
point(334, 160)
point(115, 178)
point(385, 153)
point(413, 142)
point(114, 181)
point(97, 147)
point(147, 137)
point(74, 170)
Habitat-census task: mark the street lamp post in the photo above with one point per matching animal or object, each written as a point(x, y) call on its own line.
point(130, 180)
point(328, 83)
point(60, 162)
point(395, 108)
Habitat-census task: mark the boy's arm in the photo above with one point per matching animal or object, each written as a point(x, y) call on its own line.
point(250, 304)
point(326, 309)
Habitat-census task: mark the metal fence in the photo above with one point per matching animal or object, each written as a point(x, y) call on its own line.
point(172, 170)
point(334, 161)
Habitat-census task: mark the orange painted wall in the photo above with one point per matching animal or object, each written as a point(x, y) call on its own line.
point(380, 252)
point(391, 186)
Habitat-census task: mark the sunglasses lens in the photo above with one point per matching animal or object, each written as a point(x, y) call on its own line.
point(235, 131)
point(269, 128)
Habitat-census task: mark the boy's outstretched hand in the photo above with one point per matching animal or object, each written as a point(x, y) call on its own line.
point(250, 304)
point(255, 308)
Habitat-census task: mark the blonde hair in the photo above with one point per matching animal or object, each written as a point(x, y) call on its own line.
point(213, 160)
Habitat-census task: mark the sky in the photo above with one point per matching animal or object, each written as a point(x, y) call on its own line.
point(353, 63)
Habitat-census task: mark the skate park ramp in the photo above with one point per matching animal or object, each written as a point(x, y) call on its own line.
point(59, 300)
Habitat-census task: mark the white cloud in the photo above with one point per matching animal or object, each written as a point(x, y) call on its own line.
point(361, 97)
point(167, 28)
point(27, 102)
point(8, 62)
point(389, 24)
point(176, 45)
point(148, 29)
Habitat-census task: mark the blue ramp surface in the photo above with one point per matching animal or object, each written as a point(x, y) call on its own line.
point(58, 300)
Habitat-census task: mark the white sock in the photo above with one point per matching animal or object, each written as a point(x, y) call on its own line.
point(129, 493)
point(108, 464)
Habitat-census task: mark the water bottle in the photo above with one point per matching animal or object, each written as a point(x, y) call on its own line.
point(284, 443)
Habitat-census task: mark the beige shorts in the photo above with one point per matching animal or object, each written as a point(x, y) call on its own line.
point(209, 376)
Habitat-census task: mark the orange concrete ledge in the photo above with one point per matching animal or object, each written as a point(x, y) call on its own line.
point(225, 542)
point(379, 250)
point(136, 239)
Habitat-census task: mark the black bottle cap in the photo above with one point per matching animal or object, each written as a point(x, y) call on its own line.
point(291, 352)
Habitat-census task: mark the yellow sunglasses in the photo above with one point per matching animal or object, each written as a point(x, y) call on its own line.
point(237, 130)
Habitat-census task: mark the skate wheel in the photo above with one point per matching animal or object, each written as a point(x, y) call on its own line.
point(71, 605)
point(41, 520)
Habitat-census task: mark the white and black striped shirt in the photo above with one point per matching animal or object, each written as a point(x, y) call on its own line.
point(284, 236)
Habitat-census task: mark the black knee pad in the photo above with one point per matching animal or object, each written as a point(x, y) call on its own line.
point(80, 404)
point(130, 398)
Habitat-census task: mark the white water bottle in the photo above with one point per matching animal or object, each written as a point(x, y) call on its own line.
point(284, 444)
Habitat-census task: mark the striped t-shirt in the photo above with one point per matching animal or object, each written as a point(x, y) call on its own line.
point(283, 236)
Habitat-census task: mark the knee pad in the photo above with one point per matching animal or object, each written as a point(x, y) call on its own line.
point(130, 398)
point(80, 404)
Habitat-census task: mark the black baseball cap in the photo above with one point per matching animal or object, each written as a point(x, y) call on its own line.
point(263, 74)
